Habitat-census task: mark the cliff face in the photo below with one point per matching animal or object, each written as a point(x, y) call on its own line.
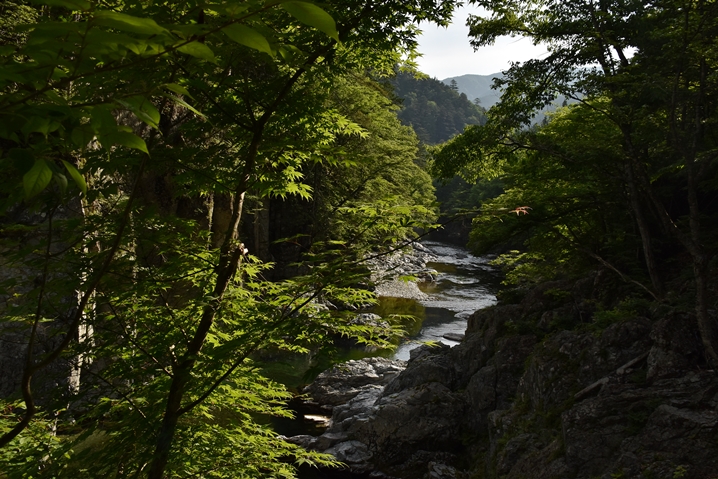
point(628, 399)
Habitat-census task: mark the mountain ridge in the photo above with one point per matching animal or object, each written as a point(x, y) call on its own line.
point(477, 86)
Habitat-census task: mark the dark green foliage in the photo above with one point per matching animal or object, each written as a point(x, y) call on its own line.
point(14, 13)
point(458, 195)
point(134, 137)
point(436, 111)
point(624, 179)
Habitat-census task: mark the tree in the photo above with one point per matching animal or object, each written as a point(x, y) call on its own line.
point(165, 116)
point(659, 102)
point(436, 111)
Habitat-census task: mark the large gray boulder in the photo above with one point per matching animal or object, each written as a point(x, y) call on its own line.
point(379, 426)
point(341, 383)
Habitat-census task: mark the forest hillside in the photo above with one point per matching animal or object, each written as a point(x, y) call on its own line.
point(434, 110)
point(477, 87)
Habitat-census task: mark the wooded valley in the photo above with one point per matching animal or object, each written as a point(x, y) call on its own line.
point(188, 184)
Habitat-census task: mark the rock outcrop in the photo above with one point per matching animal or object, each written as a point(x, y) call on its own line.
point(341, 383)
point(525, 397)
point(389, 270)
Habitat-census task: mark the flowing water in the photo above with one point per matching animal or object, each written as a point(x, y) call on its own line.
point(464, 284)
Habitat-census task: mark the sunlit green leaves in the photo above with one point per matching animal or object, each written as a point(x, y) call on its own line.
point(69, 4)
point(143, 109)
point(180, 101)
point(124, 138)
point(60, 52)
point(76, 176)
point(179, 89)
point(35, 180)
point(312, 15)
point(96, 93)
point(249, 37)
point(128, 23)
point(198, 50)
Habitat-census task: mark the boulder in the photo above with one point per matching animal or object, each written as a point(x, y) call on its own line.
point(454, 337)
point(438, 470)
point(675, 347)
point(632, 400)
point(426, 364)
point(370, 319)
point(388, 271)
point(343, 382)
point(382, 427)
point(660, 427)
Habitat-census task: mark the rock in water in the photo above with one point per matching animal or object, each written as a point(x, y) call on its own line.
point(454, 337)
point(344, 381)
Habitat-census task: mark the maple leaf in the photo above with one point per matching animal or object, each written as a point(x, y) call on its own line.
point(523, 210)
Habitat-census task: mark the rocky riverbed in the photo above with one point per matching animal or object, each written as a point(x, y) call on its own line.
point(391, 272)
point(536, 390)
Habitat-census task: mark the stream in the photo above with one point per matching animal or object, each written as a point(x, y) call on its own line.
point(464, 284)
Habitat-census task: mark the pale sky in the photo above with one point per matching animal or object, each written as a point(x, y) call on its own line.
point(447, 53)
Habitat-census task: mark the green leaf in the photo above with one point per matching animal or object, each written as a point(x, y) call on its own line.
point(179, 89)
point(55, 97)
point(183, 103)
point(128, 23)
point(36, 124)
point(312, 15)
point(61, 181)
point(235, 9)
point(102, 42)
point(102, 119)
point(35, 180)
point(249, 37)
point(124, 138)
point(143, 109)
point(69, 4)
point(82, 135)
point(290, 53)
point(198, 50)
point(76, 176)
point(187, 32)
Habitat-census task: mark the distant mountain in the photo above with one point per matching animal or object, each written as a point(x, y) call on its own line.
point(435, 111)
point(477, 86)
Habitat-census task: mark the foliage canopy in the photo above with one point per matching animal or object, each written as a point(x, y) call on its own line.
point(631, 166)
point(132, 136)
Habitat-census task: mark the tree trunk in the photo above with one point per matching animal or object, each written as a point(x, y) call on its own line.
point(643, 227)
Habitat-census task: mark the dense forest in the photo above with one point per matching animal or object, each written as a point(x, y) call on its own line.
point(438, 112)
point(189, 184)
point(435, 111)
point(624, 178)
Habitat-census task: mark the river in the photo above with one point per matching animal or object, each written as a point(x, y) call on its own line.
point(464, 283)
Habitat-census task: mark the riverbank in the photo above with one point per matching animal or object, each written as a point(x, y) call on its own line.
point(396, 274)
point(545, 388)
point(455, 283)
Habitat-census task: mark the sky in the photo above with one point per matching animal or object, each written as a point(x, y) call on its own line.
point(447, 53)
